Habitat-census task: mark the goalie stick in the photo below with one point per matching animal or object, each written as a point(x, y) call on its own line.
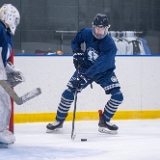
point(19, 100)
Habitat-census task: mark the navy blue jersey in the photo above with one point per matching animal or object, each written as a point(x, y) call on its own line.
point(6, 43)
point(99, 55)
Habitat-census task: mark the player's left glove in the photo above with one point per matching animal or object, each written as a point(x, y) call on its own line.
point(80, 81)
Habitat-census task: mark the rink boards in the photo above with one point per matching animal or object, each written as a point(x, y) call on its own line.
point(139, 77)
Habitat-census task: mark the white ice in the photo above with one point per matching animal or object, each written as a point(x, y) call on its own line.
point(136, 140)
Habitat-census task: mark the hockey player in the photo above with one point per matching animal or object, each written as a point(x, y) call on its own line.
point(9, 19)
point(96, 63)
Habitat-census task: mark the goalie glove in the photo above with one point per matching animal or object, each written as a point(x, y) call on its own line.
point(78, 58)
point(14, 75)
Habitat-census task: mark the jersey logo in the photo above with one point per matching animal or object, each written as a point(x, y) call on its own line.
point(92, 54)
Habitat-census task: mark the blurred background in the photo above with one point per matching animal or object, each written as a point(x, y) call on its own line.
point(50, 25)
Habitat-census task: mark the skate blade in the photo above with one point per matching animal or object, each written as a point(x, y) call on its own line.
point(3, 145)
point(107, 131)
point(52, 131)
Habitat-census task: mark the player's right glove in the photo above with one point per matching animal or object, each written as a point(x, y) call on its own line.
point(78, 58)
point(80, 81)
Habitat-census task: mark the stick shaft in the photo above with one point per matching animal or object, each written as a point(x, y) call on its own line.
point(10, 91)
point(91, 85)
point(74, 115)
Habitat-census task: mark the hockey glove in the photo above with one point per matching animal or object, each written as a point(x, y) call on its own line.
point(14, 75)
point(80, 81)
point(78, 58)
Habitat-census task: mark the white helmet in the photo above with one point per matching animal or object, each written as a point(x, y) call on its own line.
point(10, 15)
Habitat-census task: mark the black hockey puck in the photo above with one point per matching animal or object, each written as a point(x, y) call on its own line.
point(83, 140)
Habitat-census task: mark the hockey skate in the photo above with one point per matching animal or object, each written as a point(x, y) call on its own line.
point(106, 127)
point(55, 126)
point(3, 145)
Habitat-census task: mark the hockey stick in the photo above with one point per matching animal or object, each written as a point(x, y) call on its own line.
point(15, 97)
point(73, 135)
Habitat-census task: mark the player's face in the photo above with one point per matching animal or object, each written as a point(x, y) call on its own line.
point(100, 31)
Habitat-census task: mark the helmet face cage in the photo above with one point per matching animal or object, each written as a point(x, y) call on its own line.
point(99, 36)
point(10, 15)
point(100, 21)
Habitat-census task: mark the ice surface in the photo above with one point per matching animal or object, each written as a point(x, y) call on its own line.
point(136, 140)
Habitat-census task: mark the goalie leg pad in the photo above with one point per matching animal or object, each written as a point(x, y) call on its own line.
point(5, 109)
point(7, 137)
point(3, 75)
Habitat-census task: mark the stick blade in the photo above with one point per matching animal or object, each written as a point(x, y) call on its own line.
point(30, 95)
point(73, 136)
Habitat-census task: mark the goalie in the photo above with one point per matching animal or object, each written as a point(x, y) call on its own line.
point(9, 19)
